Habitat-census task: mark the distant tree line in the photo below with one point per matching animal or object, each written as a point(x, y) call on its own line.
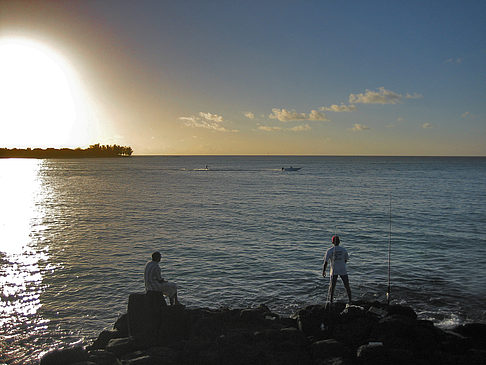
point(95, 150)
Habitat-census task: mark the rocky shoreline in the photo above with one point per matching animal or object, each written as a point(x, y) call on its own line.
point(363, 333)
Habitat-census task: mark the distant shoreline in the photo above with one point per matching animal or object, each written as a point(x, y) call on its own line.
point(93, 151)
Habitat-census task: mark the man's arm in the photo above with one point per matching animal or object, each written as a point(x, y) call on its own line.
point(158, 276)
point(324, 269)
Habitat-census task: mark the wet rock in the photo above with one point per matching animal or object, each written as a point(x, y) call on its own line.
point(121, 346)
point(402, 311)
point(141, 360)
point(325, 349)
point(65, 356)
point(103, 357)
point(475, 357)
point(333, 361)
point(317, 321)
point(402, 332)
point(103, 339)
point(475, 331)
point(256, 314)
point(374, 353)
point(454, 343)
point(363, 333)
point(121, 325)
point(354, 326)
point(164, 355)
point(144, 316)
point(175, 325)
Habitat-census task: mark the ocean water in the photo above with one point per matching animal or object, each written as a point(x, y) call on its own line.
point(75, 236)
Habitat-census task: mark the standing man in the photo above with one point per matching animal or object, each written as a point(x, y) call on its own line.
point(154, 282)
point(338, 257)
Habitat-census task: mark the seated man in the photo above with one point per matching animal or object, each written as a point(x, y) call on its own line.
point(154, 281)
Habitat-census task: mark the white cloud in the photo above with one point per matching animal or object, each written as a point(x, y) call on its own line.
point(318, 116)
point(285, 115)
point(357, 127)
point(382, 96)
point(250, 115)
point(207, 121)
point(414, 96)
point(300, 128)
point(211, 117)
point(426, 125)
point(269, 129)
point(339, 108)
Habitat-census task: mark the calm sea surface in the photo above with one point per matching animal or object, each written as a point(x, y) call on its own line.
point(75, 236)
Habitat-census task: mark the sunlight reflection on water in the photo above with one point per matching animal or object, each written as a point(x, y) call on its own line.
point(21, 276)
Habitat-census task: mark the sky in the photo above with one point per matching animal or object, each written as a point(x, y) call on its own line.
point(245, 77)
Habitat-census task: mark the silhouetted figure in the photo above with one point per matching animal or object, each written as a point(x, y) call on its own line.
point(155, 283)
point(338, 257)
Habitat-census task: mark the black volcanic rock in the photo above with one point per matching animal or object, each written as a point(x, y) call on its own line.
point(364, 333)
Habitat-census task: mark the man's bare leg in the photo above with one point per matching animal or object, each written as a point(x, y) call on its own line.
point(345, 280)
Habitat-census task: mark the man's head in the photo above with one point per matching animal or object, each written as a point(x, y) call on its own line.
point(335, 240)
point(156, 256)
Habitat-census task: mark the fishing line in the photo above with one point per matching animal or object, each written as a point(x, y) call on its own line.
point(388, 293)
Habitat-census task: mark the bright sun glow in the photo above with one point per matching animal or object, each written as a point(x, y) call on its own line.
point(41, 102)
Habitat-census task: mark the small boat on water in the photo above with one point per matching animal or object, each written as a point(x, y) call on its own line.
point(291, 168)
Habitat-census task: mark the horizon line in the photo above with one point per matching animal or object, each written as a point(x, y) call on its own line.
point(293, 155)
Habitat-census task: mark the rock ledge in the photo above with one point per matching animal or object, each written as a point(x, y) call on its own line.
point(364, 333)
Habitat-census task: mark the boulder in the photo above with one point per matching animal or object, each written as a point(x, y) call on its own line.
point(103, 357)
point(455, 343)
point(121, 346)
point(174, 325)
point(121, 325)
point(404, 332)
point(325, 349)
point(317, 334)
point(475, 331)
point(256, 314)
point(103, 339)
point(64, 356)
point(164, 355)
point(144, 316)
point(402, 311)
point(333, 361)
point(373, 353)
point(142, 360)
point(354, 326)
point(317, 321)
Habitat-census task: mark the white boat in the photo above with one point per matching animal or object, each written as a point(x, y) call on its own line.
point(291, 168)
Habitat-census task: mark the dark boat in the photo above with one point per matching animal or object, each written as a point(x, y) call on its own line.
point(291, 168)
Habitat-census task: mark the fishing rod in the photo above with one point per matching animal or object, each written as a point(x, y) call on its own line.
point(388, 292)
